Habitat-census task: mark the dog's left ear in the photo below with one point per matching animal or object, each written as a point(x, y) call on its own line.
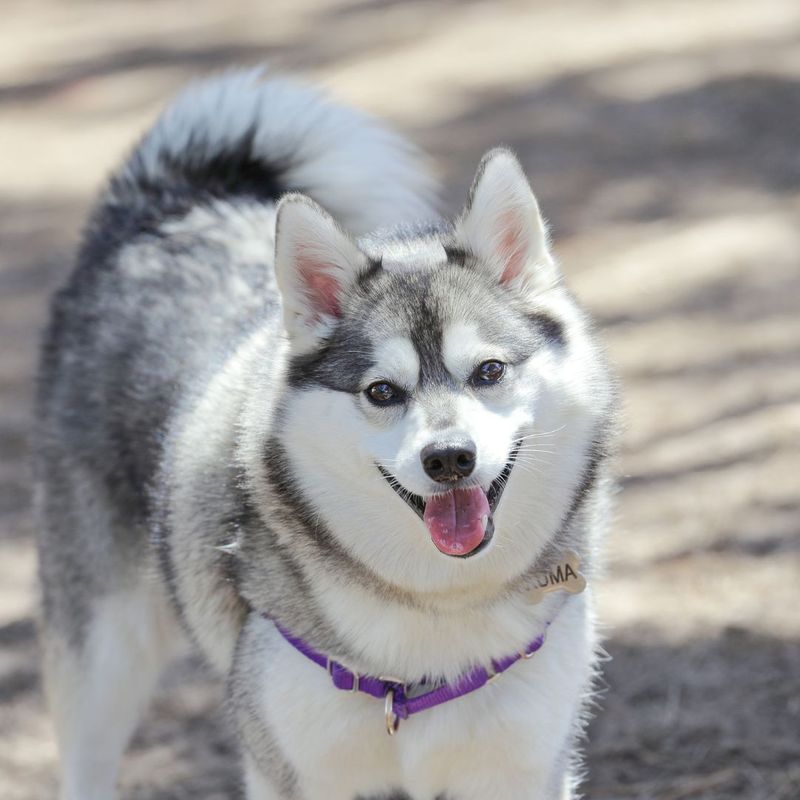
point(503, 227)
point(316, 263)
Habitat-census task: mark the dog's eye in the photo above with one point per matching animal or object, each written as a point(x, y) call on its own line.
point(488, 372)
point(382, 393)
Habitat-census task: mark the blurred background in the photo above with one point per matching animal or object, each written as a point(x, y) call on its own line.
point(663, 142)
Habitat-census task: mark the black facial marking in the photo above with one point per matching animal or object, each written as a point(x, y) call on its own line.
point(368, 275)
point(426, 334)
point(549, 327)
point(415, 304)
point(456, 255)
point(339, 364)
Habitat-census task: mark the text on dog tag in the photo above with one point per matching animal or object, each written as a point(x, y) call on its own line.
point(564, 575)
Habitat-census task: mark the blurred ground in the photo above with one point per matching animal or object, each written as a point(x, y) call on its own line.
point(663, 139)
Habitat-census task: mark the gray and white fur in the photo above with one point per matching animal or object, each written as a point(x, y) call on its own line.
point(210, 454)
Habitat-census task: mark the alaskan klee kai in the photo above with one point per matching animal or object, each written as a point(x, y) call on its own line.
point(344, 445)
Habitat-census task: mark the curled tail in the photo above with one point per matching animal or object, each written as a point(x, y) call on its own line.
point(244, 133)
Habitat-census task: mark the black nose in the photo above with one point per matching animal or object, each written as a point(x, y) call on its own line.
point(446, 463)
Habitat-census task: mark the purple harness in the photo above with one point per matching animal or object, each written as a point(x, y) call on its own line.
point(398, 704)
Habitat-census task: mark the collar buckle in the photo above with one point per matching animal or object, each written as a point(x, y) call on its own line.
point(330, 665)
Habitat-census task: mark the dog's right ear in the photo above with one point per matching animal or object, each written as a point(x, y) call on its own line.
point(315, 263)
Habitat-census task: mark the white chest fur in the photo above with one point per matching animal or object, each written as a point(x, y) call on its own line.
point(504, 740)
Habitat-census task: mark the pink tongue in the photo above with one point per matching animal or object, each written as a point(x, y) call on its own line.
point(455, 520)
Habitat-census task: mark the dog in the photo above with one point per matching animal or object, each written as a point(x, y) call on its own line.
point(345, 446)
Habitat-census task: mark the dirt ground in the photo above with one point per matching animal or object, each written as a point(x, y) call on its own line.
point(663, 140)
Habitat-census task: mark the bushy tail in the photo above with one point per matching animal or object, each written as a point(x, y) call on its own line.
point(242, 132)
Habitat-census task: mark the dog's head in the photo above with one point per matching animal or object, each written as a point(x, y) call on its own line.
point(433, 375)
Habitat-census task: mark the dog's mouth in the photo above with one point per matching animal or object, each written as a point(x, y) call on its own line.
point(461, 520)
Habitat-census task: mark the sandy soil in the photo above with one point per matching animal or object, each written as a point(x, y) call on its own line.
point(662, 139)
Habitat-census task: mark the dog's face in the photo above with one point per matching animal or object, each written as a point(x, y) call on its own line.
point(422, 367)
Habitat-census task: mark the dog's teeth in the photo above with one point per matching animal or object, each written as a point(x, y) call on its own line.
point(484, 521)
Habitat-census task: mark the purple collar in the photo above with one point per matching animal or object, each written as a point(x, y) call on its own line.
point(402, 701)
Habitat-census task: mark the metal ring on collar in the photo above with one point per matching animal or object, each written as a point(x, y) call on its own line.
point(392, 718)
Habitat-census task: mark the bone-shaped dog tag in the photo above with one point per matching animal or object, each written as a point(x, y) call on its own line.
point(565, 575)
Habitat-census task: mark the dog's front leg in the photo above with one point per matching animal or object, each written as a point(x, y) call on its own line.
point(267, 773)
point(258, 786)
